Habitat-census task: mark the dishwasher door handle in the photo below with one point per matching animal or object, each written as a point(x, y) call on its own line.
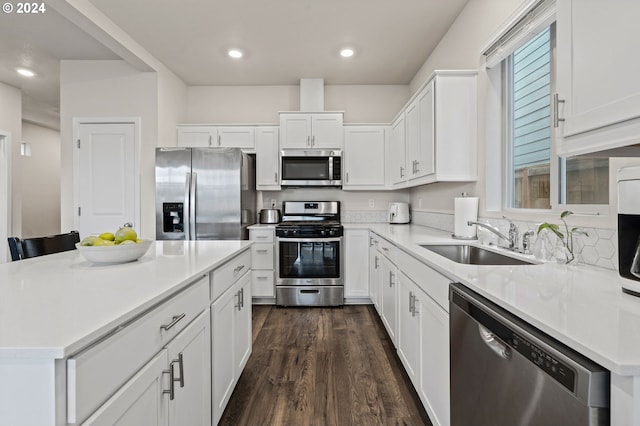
point(496, 345)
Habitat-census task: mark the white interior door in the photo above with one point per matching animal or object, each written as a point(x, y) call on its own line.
point(106, 184)
point(5, 195)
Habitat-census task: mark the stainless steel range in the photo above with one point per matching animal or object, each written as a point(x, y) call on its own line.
point(309, 255)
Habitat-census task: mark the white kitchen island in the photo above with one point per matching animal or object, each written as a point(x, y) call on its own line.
point(74, 335)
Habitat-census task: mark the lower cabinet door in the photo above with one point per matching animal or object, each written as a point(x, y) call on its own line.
point(409, 332)
point(222, 357)
point(388, 292)
point(242, 327)
point(140, 402)
point(190, 369)
point(434, 376)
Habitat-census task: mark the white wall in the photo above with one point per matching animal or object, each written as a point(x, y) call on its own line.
point(40, 180)
point(460, 48)
point(98, 89)
point(11, 122)
point(261, 104)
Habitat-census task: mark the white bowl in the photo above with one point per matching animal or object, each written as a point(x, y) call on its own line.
point(120, 253)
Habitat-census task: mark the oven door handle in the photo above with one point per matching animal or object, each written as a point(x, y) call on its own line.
point(310, 240)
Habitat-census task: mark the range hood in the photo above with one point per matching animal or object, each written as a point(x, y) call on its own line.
point(312, 94)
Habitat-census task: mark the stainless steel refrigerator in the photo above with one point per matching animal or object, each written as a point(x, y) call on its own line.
point(204, 193)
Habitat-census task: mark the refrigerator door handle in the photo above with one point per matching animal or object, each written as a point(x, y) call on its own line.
point(186, 207)
point(193, 206)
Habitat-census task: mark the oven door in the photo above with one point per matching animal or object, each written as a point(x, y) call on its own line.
point(309, 261)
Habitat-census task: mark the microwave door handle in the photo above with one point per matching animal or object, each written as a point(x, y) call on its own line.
point(635, 264)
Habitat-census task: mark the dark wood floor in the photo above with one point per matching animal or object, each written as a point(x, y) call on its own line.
point(322, 366)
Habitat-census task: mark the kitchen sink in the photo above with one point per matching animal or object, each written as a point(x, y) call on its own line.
point(473, 255)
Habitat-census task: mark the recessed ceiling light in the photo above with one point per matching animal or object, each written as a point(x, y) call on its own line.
point(235, 53)
point(347, 52)
point(25, 72)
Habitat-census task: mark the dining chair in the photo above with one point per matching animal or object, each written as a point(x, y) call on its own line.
point(39, 246)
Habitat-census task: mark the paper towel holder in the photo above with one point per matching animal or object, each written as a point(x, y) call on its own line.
point(462, 237)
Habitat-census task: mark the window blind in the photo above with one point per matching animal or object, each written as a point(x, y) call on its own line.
point(533, 17)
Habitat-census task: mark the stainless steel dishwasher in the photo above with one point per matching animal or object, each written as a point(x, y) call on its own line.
point(504, 372)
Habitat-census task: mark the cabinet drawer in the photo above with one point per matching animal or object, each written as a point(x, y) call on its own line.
point(387, 249)
point(262, 235)
point(94, 374)
point(430, 281)
point(262, 283)
point(227, 274)
point(262, 256)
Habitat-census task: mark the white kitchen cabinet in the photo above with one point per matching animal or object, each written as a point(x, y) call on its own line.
point(397, 153)
point(356, 277)
point(409, 327)
point(263, 262)
point(305, 131)
point(172, 389)
point(364, 157)
point(434, 359)
point(216, 136)
point(389, 297)
point(375, 270)
point(440, 132)
point(597, 75)
point(419, 132)
point(267, 158)
point(231, 341)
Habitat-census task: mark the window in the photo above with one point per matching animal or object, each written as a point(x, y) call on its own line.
point(536, 177)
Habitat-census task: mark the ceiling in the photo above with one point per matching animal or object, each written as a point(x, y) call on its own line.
point(283, 41)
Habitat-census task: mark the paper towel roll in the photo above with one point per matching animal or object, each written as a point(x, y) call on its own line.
point(465, 209)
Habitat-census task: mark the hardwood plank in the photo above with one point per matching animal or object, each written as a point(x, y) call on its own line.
point(324, 367)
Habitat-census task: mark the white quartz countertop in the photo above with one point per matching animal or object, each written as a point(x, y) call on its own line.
point(52, 306)
point(581, 306)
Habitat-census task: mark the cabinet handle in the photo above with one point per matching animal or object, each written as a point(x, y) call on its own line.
point(411, 302)
point(242, 298)
point(237, 297)
point(275, 177)
point(313, 140)
point(417, 166)
point(238, 269)
point(385, 249)
point(175, 320)
point(261, 237)
point(414, 310)
point(376, 262)
point(347, 177)
point(401, 171)
point(262, 278)
point(219, 140)
point(556, 112)
point(391, 283)
point(210, 139)
point(262, 251)
point(173, 380)
point(308, 140)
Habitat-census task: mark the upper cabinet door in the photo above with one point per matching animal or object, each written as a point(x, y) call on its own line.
point(425, 154)
point(197, 136)
point(327, 131)
point(598, 84)
point(305, 131)
point(295, 131)
point(267, 159)
point(397, 148)
point(364, 157)
point(236, 137)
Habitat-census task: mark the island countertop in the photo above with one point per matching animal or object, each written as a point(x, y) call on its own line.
point(52, 306)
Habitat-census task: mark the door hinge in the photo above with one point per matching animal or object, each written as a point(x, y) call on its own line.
point(79, 211)
point(78, 143)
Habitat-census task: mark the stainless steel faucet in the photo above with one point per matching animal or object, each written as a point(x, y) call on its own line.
point(492, 229)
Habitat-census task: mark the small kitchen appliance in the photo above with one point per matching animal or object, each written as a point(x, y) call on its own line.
point(629, 229)
point(309, 254)
point(311, 168)
point(399, 213)
point(270, 216)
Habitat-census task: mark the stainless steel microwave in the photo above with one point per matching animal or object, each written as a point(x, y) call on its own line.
point(303, 168)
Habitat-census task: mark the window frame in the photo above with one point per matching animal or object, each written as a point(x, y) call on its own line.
point(557, 164)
